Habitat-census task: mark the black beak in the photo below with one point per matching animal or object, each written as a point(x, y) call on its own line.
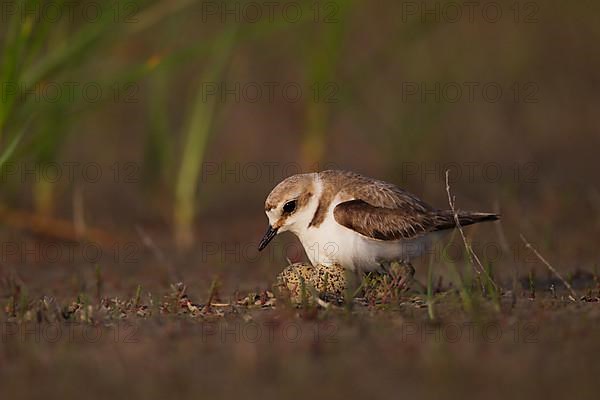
point(267, 238)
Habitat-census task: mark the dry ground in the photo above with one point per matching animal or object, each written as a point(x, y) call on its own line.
point(97, 336)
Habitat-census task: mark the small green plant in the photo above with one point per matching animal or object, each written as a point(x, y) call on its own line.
point(99, 282)
point(138, 296)
point(492, 289)
point(463, 283)
point(430, 298)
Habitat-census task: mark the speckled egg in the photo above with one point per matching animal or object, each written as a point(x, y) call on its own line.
point(329, 282)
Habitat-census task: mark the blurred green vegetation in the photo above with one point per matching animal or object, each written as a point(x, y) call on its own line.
point(39, 50)
point(354, 61)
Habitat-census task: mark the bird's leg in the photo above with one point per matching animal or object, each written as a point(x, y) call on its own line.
point(384, 267)
point(406, 272)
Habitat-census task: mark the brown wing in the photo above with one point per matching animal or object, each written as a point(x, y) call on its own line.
point(375, 192)
point(399, 223)
point(381, 223)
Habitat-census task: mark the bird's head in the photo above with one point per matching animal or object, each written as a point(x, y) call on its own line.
point(290, 206)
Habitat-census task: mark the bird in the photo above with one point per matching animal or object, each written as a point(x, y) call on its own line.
point(360, 223)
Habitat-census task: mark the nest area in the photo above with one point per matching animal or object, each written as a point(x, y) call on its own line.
point(303, 282)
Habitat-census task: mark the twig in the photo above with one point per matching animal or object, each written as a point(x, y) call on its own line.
point(550, 267)
point(472, 255)
point(211, 294)
point(323, 303)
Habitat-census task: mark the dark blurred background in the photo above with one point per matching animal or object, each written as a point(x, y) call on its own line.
point(152, 131)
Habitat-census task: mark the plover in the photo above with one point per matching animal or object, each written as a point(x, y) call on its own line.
point(360, 223)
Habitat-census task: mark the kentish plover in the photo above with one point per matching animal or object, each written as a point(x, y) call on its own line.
point(357, 222)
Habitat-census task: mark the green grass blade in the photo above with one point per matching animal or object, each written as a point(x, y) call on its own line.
point(10, 149)
point(430, 299)
point(196, 137)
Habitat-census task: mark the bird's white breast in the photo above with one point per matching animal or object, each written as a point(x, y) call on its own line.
point(331, 243)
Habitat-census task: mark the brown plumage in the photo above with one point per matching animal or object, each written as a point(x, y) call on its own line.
point(397, 223)
point(383, 211)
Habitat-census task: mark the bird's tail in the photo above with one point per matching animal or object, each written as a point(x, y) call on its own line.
point(446, 218)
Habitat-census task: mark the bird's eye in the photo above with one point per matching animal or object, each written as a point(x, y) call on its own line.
point(289, 207)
